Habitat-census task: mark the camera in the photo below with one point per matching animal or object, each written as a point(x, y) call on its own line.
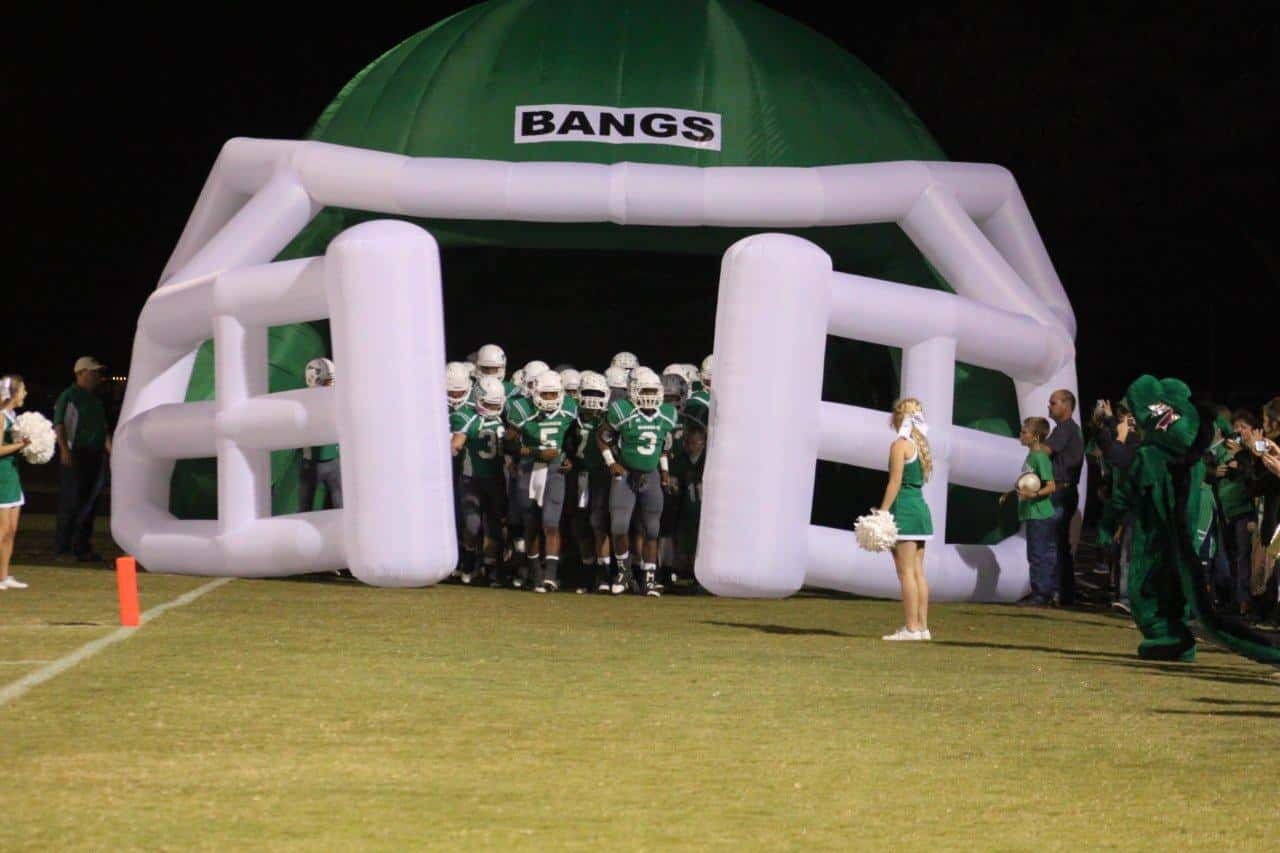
point(1260, 446)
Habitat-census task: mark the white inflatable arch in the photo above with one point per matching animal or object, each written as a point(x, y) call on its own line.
point(379, 284)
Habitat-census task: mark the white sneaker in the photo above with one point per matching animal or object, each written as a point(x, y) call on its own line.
point(925, 635)
point(903, 634)
point(12, 583)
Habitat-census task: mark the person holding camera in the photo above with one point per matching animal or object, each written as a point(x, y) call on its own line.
point(1117, 438)
point(1255, 575)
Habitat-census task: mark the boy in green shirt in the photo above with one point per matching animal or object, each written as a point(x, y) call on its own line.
point(1036, 510)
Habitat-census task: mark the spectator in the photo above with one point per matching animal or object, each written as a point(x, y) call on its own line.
point(1262, 488)
point(1065, 446)
point(1238, 513)
point(1036, 510)
point(1118, 442)
point(80, 422)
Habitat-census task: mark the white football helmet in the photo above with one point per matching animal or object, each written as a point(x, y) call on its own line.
point(594, 393)
point(318, 372)
point(491, 361)
point(572, 381)
point(470, 367)
point(705, 373)
point(616, 377)
point(690, 374)
point(532, 371)
point(645, 390)
point(457, 384)
point(675, 389)
point(626, 360)
point(492, 396)
point(548, 391)
point(517, 379)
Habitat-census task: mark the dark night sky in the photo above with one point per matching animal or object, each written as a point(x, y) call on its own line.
point(1146, 150)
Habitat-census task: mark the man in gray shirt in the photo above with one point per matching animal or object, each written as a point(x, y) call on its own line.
point(1065, 447)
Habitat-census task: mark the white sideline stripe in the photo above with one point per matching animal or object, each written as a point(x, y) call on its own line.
point(62, 664)
point(22, 662)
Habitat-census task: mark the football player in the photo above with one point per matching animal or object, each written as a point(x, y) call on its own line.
point(640, 426)
point(686, 478)
point(591, 520)
point(484, 493)
point(675, 391)
point(572, 382)
point(627, 361)
point(616, 378)
point(542, 434)
point(457, 386)
point(698, 408)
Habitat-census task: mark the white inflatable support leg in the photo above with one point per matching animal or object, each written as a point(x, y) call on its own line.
point(396, 476)
point(771, 325)
point(240, 372)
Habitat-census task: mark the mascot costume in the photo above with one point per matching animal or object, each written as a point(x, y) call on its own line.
point(1171, 506)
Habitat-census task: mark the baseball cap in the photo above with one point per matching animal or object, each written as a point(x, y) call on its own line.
point(87, 362)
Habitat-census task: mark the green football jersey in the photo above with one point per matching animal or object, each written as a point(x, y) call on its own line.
point(641, 438)
point(587, 457)
point(697, 410)
point(543, 430)
point(482, 449)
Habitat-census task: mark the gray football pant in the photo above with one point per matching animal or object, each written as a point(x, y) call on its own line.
point(314, 473)
point(632, 492)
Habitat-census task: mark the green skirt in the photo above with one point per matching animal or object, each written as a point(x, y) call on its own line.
point(10, 485)
point(912, 515)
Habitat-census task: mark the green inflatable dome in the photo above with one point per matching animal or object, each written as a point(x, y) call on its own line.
point(785, 95)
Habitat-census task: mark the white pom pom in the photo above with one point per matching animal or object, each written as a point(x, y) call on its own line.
point(877, 531)
point(36, 427)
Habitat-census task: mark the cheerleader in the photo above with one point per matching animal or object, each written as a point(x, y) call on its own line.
point(910, 465)
point(13, 392)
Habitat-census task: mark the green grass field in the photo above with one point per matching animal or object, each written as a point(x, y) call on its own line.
point(326, 715)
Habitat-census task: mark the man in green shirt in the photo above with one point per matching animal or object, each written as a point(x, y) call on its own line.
point(80, 423)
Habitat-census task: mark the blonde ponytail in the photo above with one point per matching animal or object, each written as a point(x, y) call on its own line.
point(903, 409)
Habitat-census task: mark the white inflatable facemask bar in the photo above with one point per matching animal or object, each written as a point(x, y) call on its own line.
point(778, 300)
point(968, 219)
point(379, 283)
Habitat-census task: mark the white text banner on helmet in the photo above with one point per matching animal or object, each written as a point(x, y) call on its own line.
point(617, 125)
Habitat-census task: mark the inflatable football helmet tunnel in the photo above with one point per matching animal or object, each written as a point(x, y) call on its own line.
point(856, 265)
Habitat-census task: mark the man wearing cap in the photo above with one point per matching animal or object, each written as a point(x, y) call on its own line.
point(80, 422)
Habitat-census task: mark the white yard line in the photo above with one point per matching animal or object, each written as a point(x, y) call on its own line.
point(12, 691)
point(22, 662)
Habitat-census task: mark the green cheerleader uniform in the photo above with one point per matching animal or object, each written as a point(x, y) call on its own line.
point(10, 485)
point(909, 510)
